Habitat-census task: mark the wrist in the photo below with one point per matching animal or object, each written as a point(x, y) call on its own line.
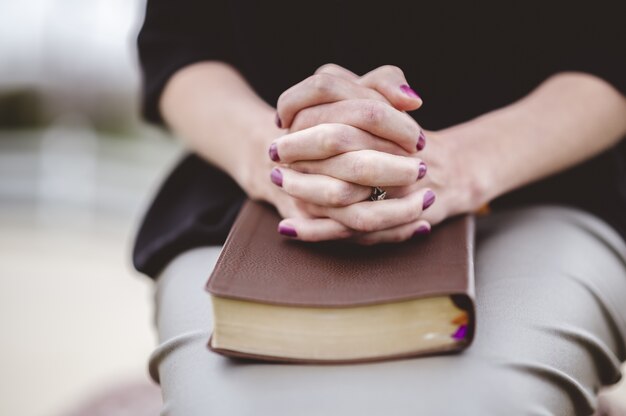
point(473, 180)
point(491, 147)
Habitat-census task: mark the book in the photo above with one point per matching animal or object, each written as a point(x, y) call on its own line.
point(279, 299)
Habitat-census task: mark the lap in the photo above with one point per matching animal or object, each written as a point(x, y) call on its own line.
point(550, 284)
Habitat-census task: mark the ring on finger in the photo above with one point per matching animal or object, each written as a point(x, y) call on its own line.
point(378, 194)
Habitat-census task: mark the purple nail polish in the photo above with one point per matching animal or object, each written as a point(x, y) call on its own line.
point(409, 91)
point(277, 177)
point(460, 333)
point(421, 172)
point(279, 123)
point(421, 141)
point(287, 230)
point(422, 230)
point(429, 199)
point(274, 153)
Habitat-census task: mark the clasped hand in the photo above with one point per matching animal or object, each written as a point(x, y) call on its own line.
point(347, 134)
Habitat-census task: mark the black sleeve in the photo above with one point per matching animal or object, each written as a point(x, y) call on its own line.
point(176, 33)
point(589, 38)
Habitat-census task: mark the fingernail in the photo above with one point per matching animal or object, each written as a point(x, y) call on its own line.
point(279, 123)
point(409, 91)
point(277, 177)
point(421, 231)
point(274, 152)
point(287, 230)
point(460, 333)
point(421, 141)
point(429, 198)
point(421, 172)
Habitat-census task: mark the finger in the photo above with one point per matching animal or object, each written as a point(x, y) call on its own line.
point(318, 89)
point(390, 81)
point(319, 189)
point(373, 116)
point(338, 71)
point(369, 216)
point(313, 229)
point(367, 167)
point(415, 229)
point(327, 140)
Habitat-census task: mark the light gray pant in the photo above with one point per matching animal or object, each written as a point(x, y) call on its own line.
point(551, 314)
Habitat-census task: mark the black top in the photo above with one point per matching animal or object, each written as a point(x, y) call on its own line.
point(464, 60)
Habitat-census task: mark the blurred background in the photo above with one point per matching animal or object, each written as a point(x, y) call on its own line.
point(77, 169)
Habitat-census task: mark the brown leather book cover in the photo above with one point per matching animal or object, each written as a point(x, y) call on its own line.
point(257, 264)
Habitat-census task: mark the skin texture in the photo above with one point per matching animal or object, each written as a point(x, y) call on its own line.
point(342, 134)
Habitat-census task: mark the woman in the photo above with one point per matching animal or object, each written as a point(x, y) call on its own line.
point(523, 108)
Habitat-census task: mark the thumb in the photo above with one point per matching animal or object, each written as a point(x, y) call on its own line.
point(390, 81)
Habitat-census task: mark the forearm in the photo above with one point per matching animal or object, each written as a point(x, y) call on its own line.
point(212, 109)
point(569, 118)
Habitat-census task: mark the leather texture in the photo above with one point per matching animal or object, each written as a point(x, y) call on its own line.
point(260, 265)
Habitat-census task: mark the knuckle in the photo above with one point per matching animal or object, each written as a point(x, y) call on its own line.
point(358, 168)
point(363, 168)
point(364, 222)
point(322, 84)
point(337, 138)
point(329, 139)
point(303, 119)
point(326, 68)
point(344, 135)
point(339, 194)
point(393, 70)
point(373, 112)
